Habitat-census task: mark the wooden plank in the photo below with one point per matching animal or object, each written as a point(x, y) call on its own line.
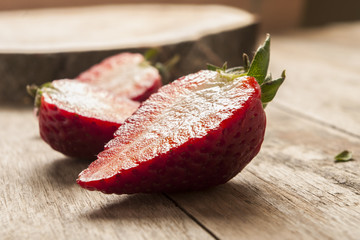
point(323, 71)
point(291, 190)
point(40, 199)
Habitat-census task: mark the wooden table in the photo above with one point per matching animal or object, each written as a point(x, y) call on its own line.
point(292, 190)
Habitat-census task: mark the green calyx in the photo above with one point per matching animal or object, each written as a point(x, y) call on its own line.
point(258, 68)
point(229, 73)
point(163, 68)
point(36, 92)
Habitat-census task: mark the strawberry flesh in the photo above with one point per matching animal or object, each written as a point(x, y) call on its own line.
point(77, 119)
point(196, 132)
point(125, 74)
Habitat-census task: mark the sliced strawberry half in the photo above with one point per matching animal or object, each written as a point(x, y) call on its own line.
point(77, 119)
point(125, 74)
point(199, 131)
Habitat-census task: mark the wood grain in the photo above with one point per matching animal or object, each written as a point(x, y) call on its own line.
point(292, 190)
point(41, 200)
point(323, 70)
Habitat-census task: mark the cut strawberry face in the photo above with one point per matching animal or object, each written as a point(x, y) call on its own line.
point(77, 119)
point(196, 132)
point(125, 74)
point(189, 135)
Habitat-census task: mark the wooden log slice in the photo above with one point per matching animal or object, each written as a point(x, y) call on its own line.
point(38, 46)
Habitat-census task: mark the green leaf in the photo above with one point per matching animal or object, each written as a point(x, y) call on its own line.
point(344, 156)
point(166, 68)
point(260, 63)
point(257, 69)
point(236, 70)
point(246, 62)
point(224, 66)
point(150, 54)
point(31, 90)
point(268, 78)
point(36, 92)
point(212, 67)
point(270, 87)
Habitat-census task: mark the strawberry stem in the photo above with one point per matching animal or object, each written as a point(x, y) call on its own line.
point(32, 89)
point(246, 62)
point(163, 68)
point(166, 68)
point(36, 92)
point(258, 68)
point(151, 54)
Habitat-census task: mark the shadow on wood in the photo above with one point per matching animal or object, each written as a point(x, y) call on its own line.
point(222, 197)
point(65, 171)
point(132, 207)
point(137, 205)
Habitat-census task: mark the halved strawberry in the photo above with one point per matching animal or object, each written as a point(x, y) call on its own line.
point(77, 119)
point(125, 74)
point(199, 131)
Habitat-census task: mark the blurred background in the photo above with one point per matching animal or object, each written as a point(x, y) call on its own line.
point(276, 15)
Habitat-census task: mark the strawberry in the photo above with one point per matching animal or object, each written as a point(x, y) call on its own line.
point(125, 74)
point(77, 119)
point(198, 131)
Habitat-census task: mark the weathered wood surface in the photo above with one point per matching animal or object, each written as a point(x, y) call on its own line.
point(291, 190)
point(40, 199)
point(324, 68)
point(38, 46)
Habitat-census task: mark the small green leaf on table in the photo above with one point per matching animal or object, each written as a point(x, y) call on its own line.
point(344, 156)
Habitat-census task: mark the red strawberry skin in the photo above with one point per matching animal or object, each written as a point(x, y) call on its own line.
point(199, 131)
point(125, 74)
point(77, 119)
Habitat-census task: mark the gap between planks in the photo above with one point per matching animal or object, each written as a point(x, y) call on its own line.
point(194, 219)
point(286, 110)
